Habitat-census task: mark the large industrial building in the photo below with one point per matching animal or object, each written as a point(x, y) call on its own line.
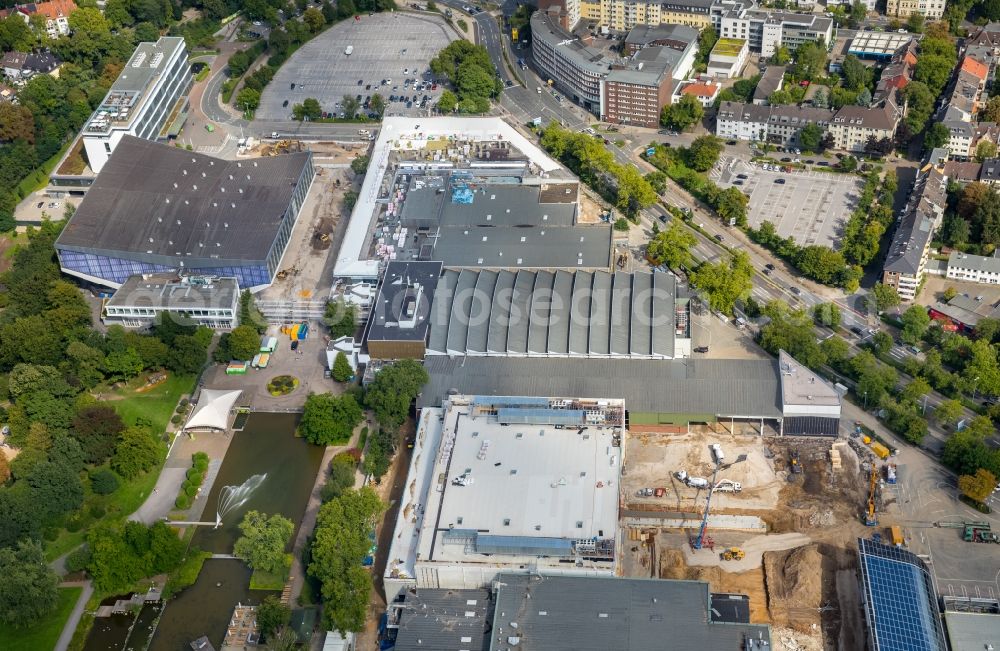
point(509, 484)
point(148, 100)
point(156, 208)
point(774, 397)
point(545, 613)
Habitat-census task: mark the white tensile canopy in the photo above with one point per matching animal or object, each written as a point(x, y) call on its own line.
point(213, 409)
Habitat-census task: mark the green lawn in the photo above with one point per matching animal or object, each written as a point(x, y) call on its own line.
point(157, 404)
point(45, 634)
point(39, 178)
point(267, 581)
point(187, 573)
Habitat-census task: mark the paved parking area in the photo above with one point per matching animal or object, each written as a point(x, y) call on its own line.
point(810, 207)
point(384, 46)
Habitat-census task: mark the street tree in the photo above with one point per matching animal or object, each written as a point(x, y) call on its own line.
point(682, 114)
point(811, 137)
point(328, 419)
point(248, 99)
point(263, 540)
point(937, 135)
point(827, 314)
point(881, 342)
point(979, 486)
point(672, 246)
point(915, 323)
point(732, 206)
point(885, 297)
point(377, 104)
point(725, 282)
point(948, 412)
point(704, 152)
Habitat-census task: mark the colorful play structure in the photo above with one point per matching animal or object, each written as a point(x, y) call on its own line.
point(296, 331)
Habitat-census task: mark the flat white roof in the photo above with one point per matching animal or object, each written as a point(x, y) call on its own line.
point(527, 481)
point(416, 132)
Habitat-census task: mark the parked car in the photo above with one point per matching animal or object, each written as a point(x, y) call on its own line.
point(786, 160)
point(738, 182)
point(718, 238)
point(857, 330)
point(823, 163)
point(742, 176)
point(779, 181)
point(701, 349)
point(730, 142)
point(769, 266)
point(295, 345)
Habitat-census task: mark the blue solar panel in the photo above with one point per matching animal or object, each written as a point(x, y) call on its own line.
point(900, 602)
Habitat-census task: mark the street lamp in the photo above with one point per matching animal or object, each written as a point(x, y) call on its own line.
point(866, 401)
point(975, 387)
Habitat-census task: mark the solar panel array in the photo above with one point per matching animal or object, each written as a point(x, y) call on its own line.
point(900, 602)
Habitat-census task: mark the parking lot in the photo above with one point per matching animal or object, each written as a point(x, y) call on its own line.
point(810, 207)
point(388, 47)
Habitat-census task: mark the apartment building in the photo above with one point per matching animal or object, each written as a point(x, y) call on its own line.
point(148, 100)
point(635, 95)
point(850, 127)
point(929, 9)
point(578, 71)
point(853, 126)
point(678, 37)
point(766, 31)
point(906, 261)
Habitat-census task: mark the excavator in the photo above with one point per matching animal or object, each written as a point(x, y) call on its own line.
point(870, 519)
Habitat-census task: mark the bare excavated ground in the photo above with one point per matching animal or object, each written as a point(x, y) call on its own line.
point(801, 576)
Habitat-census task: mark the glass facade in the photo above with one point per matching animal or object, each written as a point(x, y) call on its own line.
point(117, 270)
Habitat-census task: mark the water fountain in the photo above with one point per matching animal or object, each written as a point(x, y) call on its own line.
point(233, 497)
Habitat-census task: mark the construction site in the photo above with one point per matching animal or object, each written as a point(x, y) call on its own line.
point(776, 518)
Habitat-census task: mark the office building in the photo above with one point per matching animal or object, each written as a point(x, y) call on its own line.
point(195, 300)
point(766, 31)
point(728, 57)
point(973, 268)
point(160, 209)
point(929, 9)
point(148, 100)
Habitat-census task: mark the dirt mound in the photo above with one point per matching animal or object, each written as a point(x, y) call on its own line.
point(794, 587)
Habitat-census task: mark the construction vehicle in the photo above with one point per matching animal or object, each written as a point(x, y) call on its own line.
point(890, 473)
point(795, 465)
point(880, 450)
point(659, 492)
point(717, 452)
point(693, 482)
point(733, 554)
point(896, 535)
point(728, 486)
point(870, 519)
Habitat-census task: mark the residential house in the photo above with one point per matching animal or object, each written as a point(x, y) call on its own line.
point(771, 81)
point(703, 91)
point(853, 127)
point(907, 258)
point(21, 65)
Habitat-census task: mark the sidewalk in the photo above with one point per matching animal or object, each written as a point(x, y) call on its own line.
point(74, 617)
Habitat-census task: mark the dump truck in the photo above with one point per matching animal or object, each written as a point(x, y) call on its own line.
point(733, 554)
point(896, 535)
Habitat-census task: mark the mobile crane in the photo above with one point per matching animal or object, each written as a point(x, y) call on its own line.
point(870, 519)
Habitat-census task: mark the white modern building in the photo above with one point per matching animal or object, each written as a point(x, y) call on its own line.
point(767, 31)
point(148, 100)
point(973, 268)
point(509, 484)
point(197, 300)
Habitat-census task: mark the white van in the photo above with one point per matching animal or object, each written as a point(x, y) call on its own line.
point(364, 133)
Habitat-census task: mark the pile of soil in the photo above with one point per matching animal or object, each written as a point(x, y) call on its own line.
point(794, 587)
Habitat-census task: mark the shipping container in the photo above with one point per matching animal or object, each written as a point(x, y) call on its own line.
point(880, 450)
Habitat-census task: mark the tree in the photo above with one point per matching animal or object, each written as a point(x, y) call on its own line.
point(262, 545)
point(725, 283)
point(88, 21)
point(359, 164)
point(136, 452)
point(16, 123)
point(187, 355)
point(248, 99)
point(122, 364)
point(979, 486)
point(916, 389)
point(672, 247)
point(732, 206)
point(886, 297)
point(915, 23)
point(810, 60)
point(314, 19)
point(341, 318)
point(340, 543)
point(97, 429)
point(881, 342)
point(29, 590)
point(328, 419)
point(835, 349)
point(992, 110)
point(342, 371)
point(827, 314)
point(810, 137)
point(987, 328)
point(704, 152)
point(343, 469)
point(856, 74)
point(271, 616)
point(244, 342)
point(448, 102)
point(103, 481)
point(985, 149)
point(658, 181)
point(283, 639)
point(377, 104)
point(310, 109)
point(781, 56)
point(4, 468)
point(683, 114)
point(915, 324)
point(920, 105)
point(937, 136)
point(948, 412)
point(389, 395)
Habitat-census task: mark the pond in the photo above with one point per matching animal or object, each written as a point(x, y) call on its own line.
point(288, 465)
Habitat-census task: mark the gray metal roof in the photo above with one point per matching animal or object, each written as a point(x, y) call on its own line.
point(495, 205)
point(597, 614)
point(405, 300)
point(444, 620)
point(169, 291)
point(164, 201)
point(923, 213)
point(645, 34)
point(801, 387)
point(541, 312)
point(568, 45)
point(566, 247)
point(983, 263)
point(749, 388)
point(140, 70)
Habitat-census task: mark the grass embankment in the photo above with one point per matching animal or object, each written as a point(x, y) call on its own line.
point(45, 633)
